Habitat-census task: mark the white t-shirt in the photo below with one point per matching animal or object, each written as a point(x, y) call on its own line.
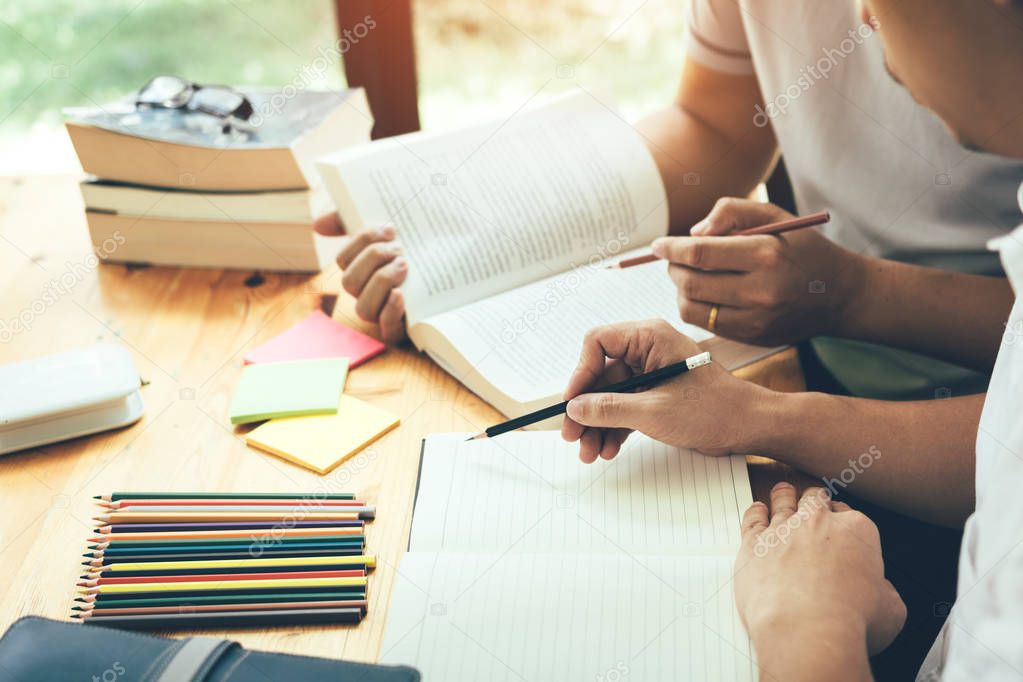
point(983, 637)
point(898, 185)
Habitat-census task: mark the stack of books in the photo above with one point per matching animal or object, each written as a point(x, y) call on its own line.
point(173, 560)
point(171, 187)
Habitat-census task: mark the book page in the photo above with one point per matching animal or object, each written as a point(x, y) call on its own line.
point(526, 342)
point(476, 616)
point(528, 492)
point(491, 208)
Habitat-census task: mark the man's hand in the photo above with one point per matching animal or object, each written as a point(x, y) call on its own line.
point(770, 289)
point(706, 409)
point(373, 270)
point(809, 584)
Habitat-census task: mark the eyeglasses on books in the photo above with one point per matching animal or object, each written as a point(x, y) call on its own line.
point(172, 92)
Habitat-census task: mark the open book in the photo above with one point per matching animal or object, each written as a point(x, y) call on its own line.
point(525, 564)
point(508, 228)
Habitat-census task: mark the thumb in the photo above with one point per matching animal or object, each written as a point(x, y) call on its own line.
point(608, 410)
point(329, 224)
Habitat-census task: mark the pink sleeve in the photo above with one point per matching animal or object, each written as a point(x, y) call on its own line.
point(717, 38)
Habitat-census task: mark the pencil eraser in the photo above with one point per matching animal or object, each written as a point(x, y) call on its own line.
point(698, 360)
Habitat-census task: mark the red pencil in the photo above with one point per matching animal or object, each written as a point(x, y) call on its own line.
point(295, 502)
point(771, 228)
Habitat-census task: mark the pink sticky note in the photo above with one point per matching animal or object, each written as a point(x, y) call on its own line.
point(317, 336)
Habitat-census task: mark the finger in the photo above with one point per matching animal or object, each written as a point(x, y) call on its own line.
point(731, 214)
point(783, 502)
point(359, 242)
point(723, 288)
point(730, 322)
point(737, 254)
point(755, 521)
point(614, 371)
point(613, 440)
point(815, 499)
point(598, 345)
point(329, 224)
point(358, 273)
point(589, 445)
point(840, 507)
point(378, 288)
point(392, 317)
point(609, 410)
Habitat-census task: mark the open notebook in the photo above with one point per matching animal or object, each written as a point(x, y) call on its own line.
point(507, 228)
point(525, 564)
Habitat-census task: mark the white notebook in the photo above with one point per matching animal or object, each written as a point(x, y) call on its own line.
point(525, 564)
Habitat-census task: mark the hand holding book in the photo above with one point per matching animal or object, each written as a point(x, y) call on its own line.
point(708, 410)
point(373, 270)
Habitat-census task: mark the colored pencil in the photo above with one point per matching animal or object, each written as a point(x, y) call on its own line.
point(666, 372)
point(99, 556)
point(190, 621)
point(168, 517)
point(189, 560)
point(113, 497)
point(227, 534)
point(221, 510)
point(119, 601)
point(227, 525)
point(227, 502)
point(779, 227)
point(225, 585)
point(247, 593)
point(89, 610)
point(96, 573)
point(249, 562)
point(252, 548)
point(290, 575)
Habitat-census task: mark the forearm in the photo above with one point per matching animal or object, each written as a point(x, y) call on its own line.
point(949, 315)
point(705, 144)
point(913, 457)
point(809, 649)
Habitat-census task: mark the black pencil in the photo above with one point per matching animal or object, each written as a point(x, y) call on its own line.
point(637, 381)
point(188, 621)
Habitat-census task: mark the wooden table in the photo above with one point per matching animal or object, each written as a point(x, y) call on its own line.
point(187, 330)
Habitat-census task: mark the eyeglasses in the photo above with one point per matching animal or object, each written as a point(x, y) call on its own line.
point(171, 92)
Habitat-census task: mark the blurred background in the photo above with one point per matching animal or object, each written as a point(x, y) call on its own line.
point(476, 59)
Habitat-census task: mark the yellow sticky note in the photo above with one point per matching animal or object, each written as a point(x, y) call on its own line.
point(322, 442)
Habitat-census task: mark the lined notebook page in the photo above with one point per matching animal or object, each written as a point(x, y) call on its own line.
point(528, 492)
point(598, 617)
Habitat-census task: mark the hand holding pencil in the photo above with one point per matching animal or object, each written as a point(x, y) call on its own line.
point(768, 289)
point(707, 409)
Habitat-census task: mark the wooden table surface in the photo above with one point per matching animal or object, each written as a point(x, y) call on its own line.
point(187, 331)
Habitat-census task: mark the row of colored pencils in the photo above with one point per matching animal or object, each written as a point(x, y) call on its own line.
point(160, 560)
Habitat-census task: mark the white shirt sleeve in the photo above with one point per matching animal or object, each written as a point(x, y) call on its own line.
point(716, 36)
point(987, 646)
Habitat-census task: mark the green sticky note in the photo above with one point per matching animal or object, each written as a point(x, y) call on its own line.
point(288, 389)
